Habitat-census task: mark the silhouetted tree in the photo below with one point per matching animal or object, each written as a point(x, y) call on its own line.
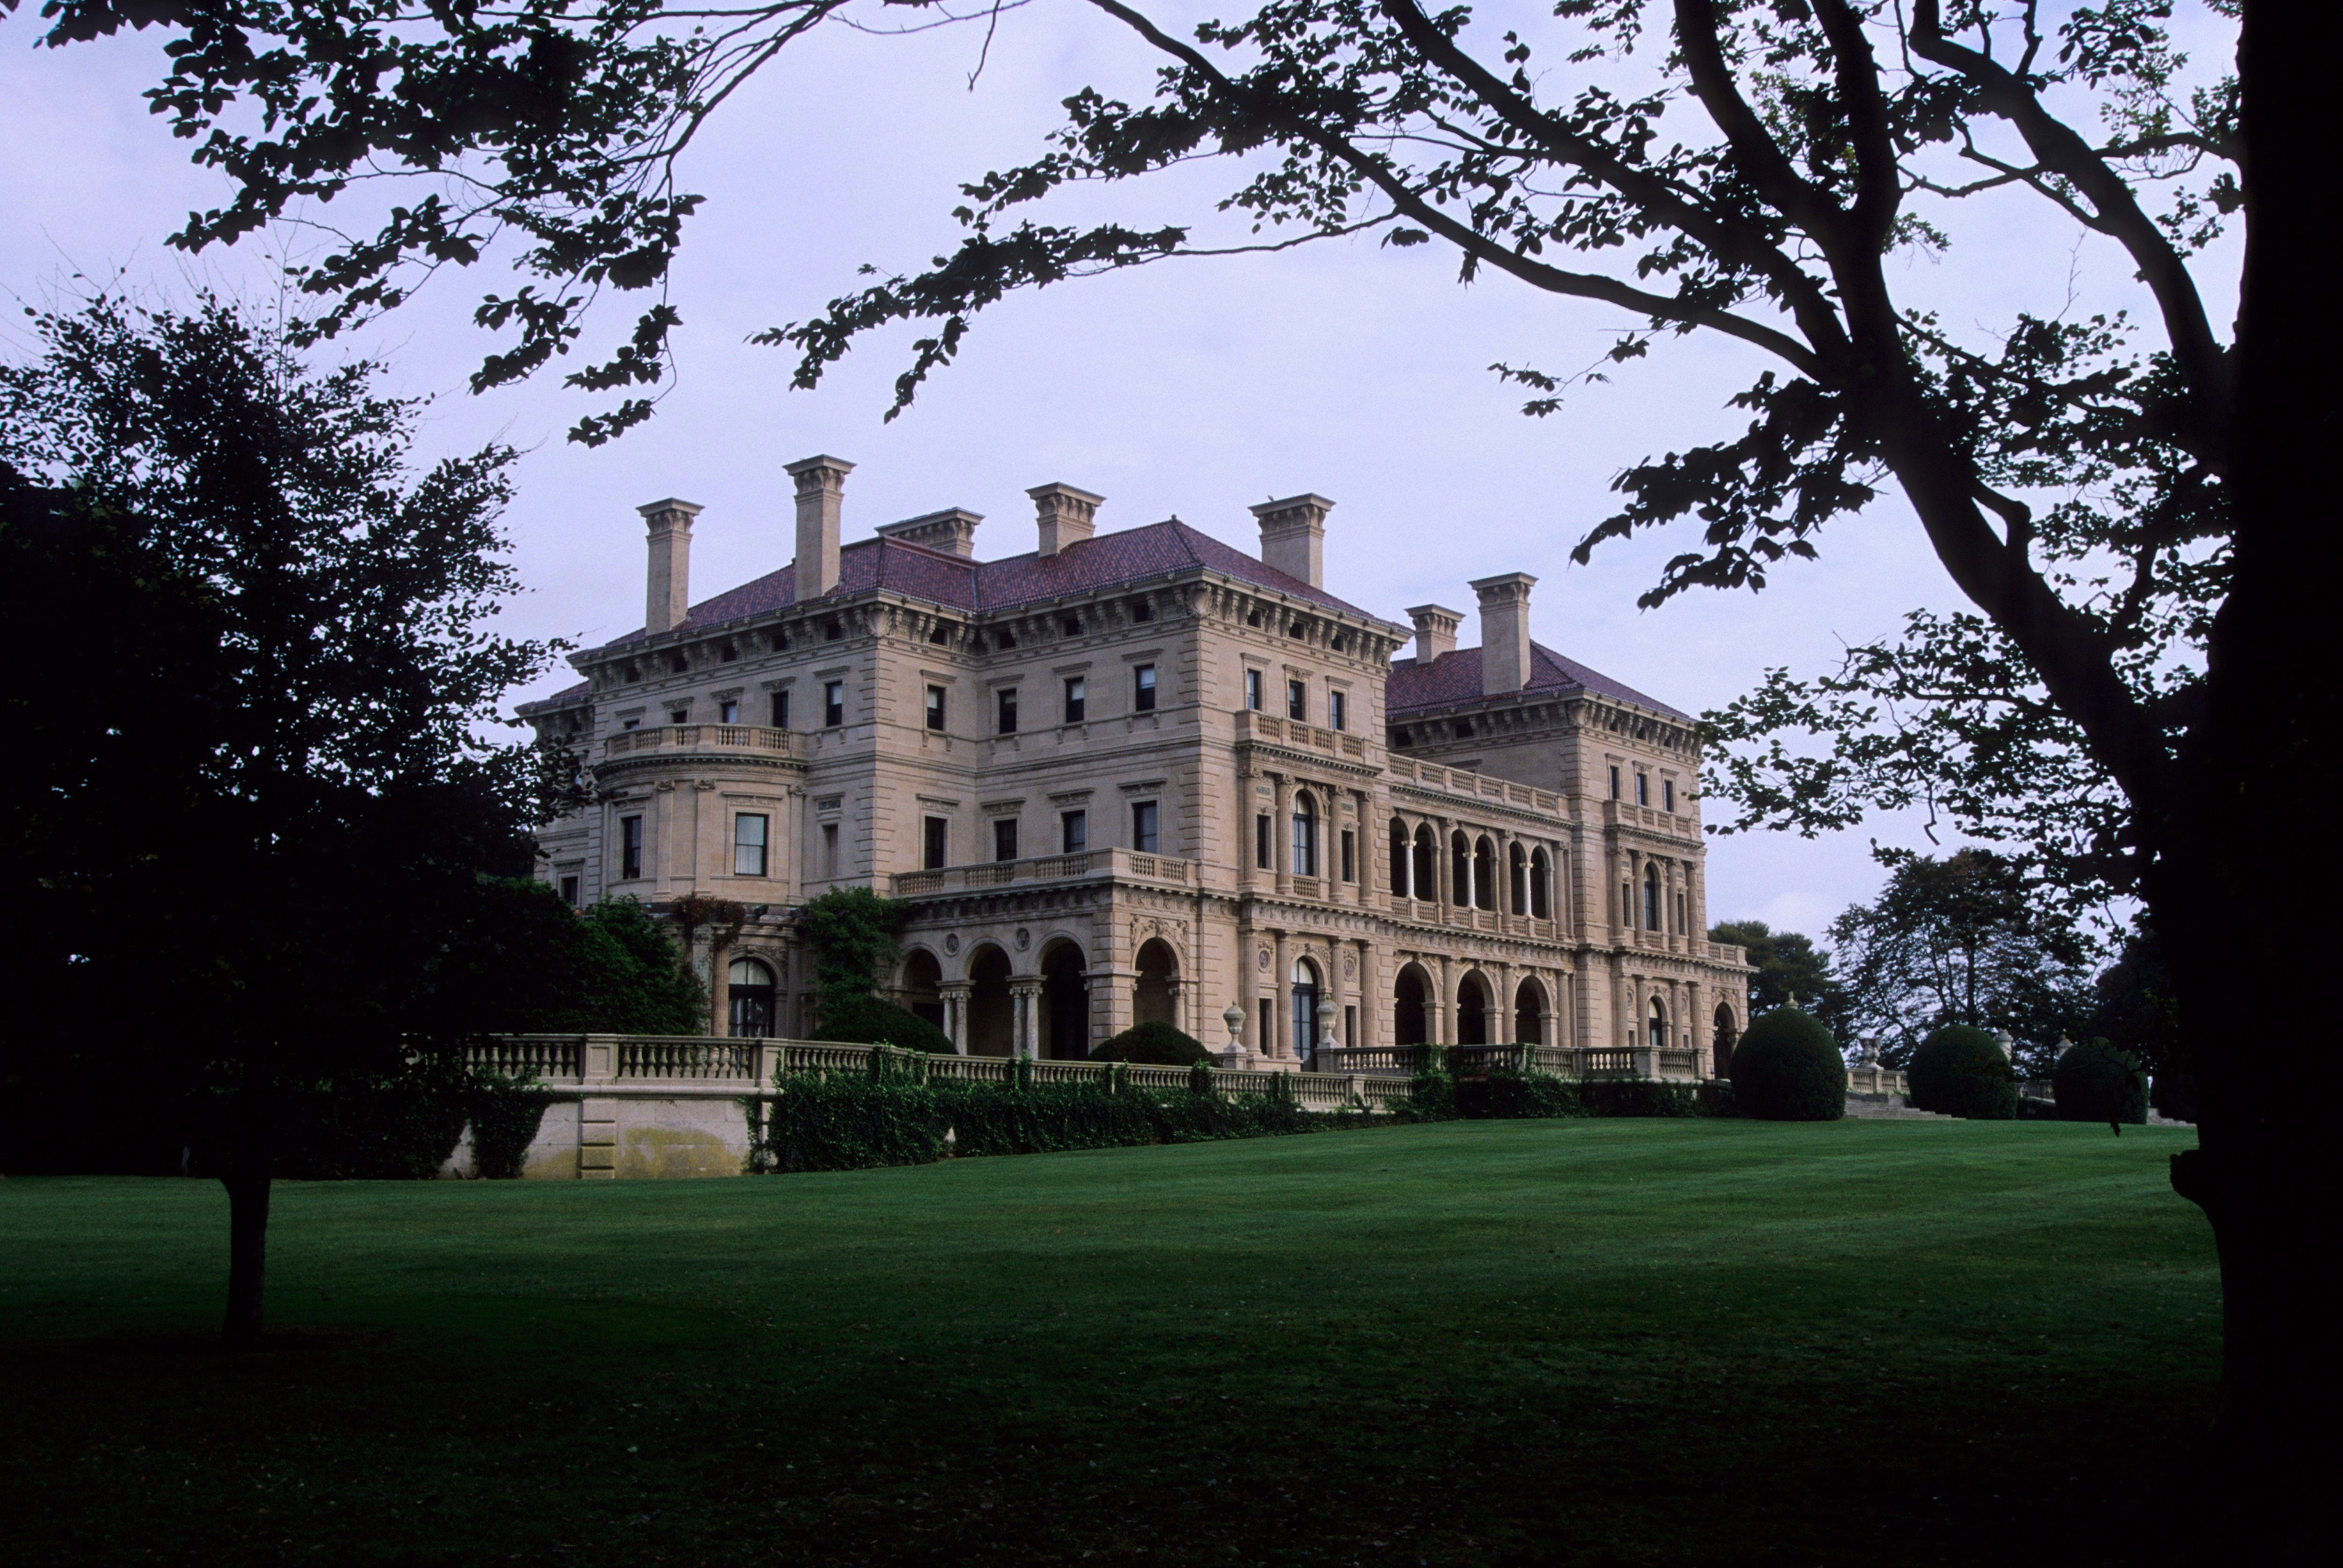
point(1791, 972)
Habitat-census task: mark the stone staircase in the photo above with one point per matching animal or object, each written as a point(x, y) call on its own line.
point(1889, 1108)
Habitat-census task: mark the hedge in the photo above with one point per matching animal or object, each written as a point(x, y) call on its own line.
point(1787, 1068)
point(1960, 1071)
point(871, 1021)
point(1157, 1044)
point(2095, 1081)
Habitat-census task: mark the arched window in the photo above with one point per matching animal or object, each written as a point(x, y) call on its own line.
point(1659, 1024)
point(1399, 843)
point(1305, 835)
point(1541, 899)
point(1728, 1034)
point(749, 984)
point(1305, 1010)
point(1485, 874)
point(1517, 881)
point(1426, 877)
point(1460, 871)
point(1651, 897)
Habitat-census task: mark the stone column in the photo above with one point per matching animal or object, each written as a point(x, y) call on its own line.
point(1372, 841)
point(1444, 863)
point(1248, 984)
point(1503, 865)
point(1447, 1035)
point(1281, 1041)
point(1025, 1009)
point(1281, 845)
point(1371, 997)
point(955, 997)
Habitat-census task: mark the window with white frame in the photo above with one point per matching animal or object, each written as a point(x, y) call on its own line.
point(750, 831)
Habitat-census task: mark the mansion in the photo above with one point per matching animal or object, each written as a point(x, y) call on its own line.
point(1141, 775)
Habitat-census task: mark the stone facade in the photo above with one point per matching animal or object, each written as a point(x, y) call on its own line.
point(1140, 775)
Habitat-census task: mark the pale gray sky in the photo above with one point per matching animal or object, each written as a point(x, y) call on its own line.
point(1193, 388)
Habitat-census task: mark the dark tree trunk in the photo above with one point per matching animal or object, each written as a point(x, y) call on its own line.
point(2249, 877)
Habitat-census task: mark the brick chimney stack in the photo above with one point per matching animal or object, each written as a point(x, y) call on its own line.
point(1504, 632)
point(1293, 536)
point(667, 585)
point(1435, 630)
point(1064, 515)
point(821, 485)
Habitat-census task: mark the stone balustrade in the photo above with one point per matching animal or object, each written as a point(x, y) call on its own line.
point(1119, 865)
point(704, 738)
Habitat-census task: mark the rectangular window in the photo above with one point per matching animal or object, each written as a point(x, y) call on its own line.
point(1615, 783)
point(1297, 700)
point(1142, 827)
point(1263, 842)
point(569, 891)
point(630, 849)
point(932, 844)
point(1338, 715)
point(1007, 699)
point(829, 848)
point(1004, 839)
point(678, 716)
point(749, 844)
point(1077, 697)
point(631, 724)
point(833, 703)
point(1667, 794)
point(1142, 689)
point(781, 711)
point(729, 711)
point(1253, 689)
point(935, 708)
point(1073, 832)
point(1268, 1023)
point(1350, 856)
point(1642, 788)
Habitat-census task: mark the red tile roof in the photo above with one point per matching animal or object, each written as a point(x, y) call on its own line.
point(1455, 678)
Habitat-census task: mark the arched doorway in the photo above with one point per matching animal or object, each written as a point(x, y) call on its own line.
point(1460, 869)
point(1728, 1035)
point(992, 1024)
point(1472, 1011)
point(1407, 1007)
point(749, 983)
point(1485, 874)
point(1155, 998)
point(1306, 991)
point(1426, 878)
point(1657, 1026)
point(1065, 1004)
point(924, 980)
point(1541, 900)
point(1399, 857)
point(1529, 1014)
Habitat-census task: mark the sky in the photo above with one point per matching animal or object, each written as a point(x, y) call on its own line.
point(1193, 388)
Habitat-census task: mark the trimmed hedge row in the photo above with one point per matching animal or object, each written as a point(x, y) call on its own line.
point(1505, 1095)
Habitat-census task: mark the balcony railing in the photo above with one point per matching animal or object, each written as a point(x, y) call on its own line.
point(1300, 736)
point(1115, 864)
point(702, 738)
point(1671, 1065)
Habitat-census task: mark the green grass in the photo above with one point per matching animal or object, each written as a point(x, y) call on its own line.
point(1602, 1342)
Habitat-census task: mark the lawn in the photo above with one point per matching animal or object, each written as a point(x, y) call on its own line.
point(1607, 1341)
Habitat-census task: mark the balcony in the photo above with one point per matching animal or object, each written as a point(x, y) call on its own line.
point(1104, 865)
point(1296, 736)
point(700, 739)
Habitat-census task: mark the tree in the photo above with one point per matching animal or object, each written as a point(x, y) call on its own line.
point(1968, 940)
point(1791, 972)
point(258, 870)
point(2131, 502)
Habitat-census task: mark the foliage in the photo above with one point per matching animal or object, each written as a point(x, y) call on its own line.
point(853, 933)
point(2096, 1082)
point(867, 1020)
point(1431, 1097)
point(2136, 1010)
point(1974, 938)
point(267, 875)
point(505, 1114)
point(1787, 1068)
point(1791, 972)
point(1161, 1044)
point(1959, 1071)
point(1504, 1095)
point(520, 960)
point(391, 1126)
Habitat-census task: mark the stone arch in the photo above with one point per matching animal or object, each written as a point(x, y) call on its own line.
point(1476, 1002)
point(1308, 984)
point(1530, 1008)
point(1399, 886)
point(1411, 1014)
point(1655, 1025)
point(1541, 886)
point(1652, 908)
point(991, 1016)
point(1485, 874)
point(1427, 876)
point(921, 985)
point(1155, 995)
point(1517, 881)
point(1065, 1002)
point(1460, 869)
point(752, 998)
point(1304, 861)
point(1728, 1035)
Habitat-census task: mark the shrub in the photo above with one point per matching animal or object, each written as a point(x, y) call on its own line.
point(505, 1114)
point(2095, 1081)
point(2173, 1092)
point(1787, 1068)
point(869, 1019)
point(1960, 1071)
point(1504, 1096)
point(1639, 1097)
point(388, 1128)
point(1158, 1044)
point(1431, 1097)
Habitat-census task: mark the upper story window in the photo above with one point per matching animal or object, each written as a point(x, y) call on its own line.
point(1253, 689)
point(1350, 856)
point(1004, 638)
point(631, 724)
point(933, 833)
point(729, 711)
point(678, 716)
point(727, 654)
point(1297, 700)
point(942, 634)
point(630, 849)
point(833, 704)
point(1005, 702)
point(781, 711)
point(1141, 610)
point(1078, 690)
point(1073, 831)
point(1073, 625)
point(829, 848)
point(569, 891)
point(1144, 834)
point(1642, 788)
point(1338, 711)
point(935, 708)
point(1305, 837)
point(749, 832)
point(1004, 839)
point(832, 631)
point(1667, 794)
point(1142, 689)
point(1615, 783)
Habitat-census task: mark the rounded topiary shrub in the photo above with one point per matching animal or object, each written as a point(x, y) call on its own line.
point(2094, 1082)
point(1155, 1044)
point(867, 1021)
point(1960, 1071)
point(1787, 1068)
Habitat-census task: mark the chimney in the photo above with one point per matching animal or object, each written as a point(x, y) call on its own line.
point(1435, 630)
point(953, 531)
point(1066, 516)
point(1504, 632)
point(667, 585)
point(1293, 536)
point(821, 482)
